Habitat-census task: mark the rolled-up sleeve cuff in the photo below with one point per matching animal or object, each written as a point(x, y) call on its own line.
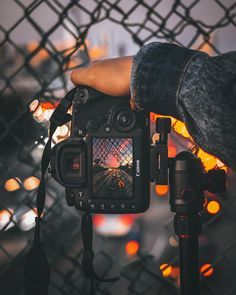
point(156, 77)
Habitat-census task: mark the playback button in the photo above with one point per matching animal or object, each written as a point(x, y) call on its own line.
point(81, 194)
point(112, 206)
point(133, 207)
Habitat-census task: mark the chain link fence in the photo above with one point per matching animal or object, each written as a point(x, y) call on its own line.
point(113, 167)
point(40, 43)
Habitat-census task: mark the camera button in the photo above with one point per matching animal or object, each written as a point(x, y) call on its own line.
point(93, 125)
point(124, 119)
point(112, 206)
point(81, 194)
point(133, 207)
point(107, 129)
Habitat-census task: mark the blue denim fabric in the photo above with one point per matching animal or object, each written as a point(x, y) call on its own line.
point(193, 87)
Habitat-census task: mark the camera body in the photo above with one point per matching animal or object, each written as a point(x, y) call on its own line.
point(105, 163)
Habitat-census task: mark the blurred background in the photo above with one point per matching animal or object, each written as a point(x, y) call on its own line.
point(40, 43)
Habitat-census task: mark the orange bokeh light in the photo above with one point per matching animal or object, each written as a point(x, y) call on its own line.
point(213, 207)
point(154, 116)
point(166, 269)
point(181, 129)
point(47, 106)
point(161, 190)
point(5, 215)
point(12, 184)
point(206, 270)
point(171, 151)
point(132, 247)
point(127, 219)
point(208, 160)
point(31, 183)
point(98, 220)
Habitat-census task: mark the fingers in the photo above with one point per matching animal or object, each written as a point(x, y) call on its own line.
point(111, 76)
point(81, 76)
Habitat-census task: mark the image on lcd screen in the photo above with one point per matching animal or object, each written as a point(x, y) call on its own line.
point(112, 168)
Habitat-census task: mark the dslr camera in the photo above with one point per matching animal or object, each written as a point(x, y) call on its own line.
point(105, 163)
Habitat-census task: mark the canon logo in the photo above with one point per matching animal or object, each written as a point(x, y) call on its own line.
point(137, 168)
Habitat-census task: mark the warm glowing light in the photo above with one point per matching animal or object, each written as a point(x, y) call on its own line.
point(111, 161)
point(98, 220)
point(208, 160)
point(173, 242)
point(155, 137)
point(175, 273)
point(127, 219)
point(61, 133)
point(132, 247)
point(206, 270)
point(5, 218)
point(33, 105)
point(161, 190)
point(28, 220)
point(181, 129)
point(12, 184)
point(98, 52)
point(166, 269)
point(121, 183)
point(171, 151)
point(41, 111)
point(154, 116)
point(40, 54)
point(31, 183)
point(47, 106)
point(221, 165)
point(213, 207)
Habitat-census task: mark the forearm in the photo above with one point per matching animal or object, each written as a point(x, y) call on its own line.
point(193, 87)
point(111, 76)
point(157, 73)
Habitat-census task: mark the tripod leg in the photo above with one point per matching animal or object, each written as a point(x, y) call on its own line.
point(188, 227)
point(189, 265)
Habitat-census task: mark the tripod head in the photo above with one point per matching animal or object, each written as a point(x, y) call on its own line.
point(184, 174)
point(187, 181)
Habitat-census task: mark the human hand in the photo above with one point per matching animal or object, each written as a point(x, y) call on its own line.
point(110, 76)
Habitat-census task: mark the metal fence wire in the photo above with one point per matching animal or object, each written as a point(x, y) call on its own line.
point(113, 167)
point(41, 41)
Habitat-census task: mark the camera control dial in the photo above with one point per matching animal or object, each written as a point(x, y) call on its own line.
point(123, 119)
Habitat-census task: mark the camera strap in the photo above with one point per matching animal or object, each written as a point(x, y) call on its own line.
point(88, 254)
point(37, 274)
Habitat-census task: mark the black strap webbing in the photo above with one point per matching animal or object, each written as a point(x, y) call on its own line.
point(88, 255)
point(36, 275)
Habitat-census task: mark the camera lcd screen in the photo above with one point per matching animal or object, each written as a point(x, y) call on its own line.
point(112, 168)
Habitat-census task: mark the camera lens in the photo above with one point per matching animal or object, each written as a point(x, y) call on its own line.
point(74, 163)
point(124, 119)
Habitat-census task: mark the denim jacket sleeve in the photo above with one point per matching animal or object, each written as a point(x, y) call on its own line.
point(193, 87)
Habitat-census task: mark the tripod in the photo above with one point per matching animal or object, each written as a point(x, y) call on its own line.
point(187, 183)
